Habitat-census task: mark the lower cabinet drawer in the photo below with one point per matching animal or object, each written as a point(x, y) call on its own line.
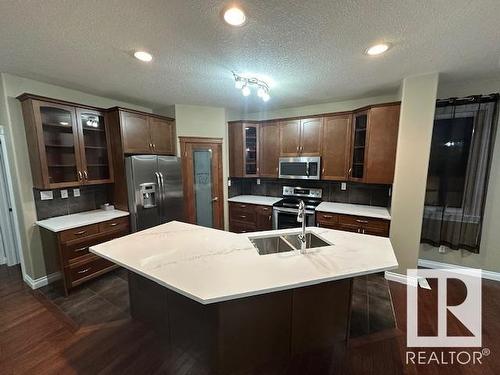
point(327, 218)
point(114, 224)
point(241, 227)
point(78, 233)
point(82, 271)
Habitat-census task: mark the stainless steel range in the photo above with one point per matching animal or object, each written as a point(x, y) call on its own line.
point(285, 212)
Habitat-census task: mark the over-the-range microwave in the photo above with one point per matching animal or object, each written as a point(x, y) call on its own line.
point(301, 168)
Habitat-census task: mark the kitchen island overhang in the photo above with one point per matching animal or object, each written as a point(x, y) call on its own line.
point(210, 293)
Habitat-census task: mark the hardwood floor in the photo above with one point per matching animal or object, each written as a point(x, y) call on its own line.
point(35, 338)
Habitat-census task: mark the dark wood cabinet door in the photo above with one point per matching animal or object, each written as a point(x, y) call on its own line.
point(264, 217)
point(310, 137)
point(382, 140)
point(290, 138)
point(269, 149)
point(135, 133)
point(58, 143)
point(162, 134)
point(95, 147)
point(336, 147)
point(251, 150)
point(358, 146)
point(235, 150)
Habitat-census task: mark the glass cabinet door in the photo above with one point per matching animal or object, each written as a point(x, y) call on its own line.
point(95, 147)
point(60, 140)
point(250, 149)
point(359, 143)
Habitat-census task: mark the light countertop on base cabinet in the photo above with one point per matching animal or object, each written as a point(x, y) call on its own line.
point(355, 210)
point(65, 222)
point(260, 200)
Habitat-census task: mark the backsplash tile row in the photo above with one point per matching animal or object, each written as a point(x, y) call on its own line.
point(91, 198)
point(356, 193)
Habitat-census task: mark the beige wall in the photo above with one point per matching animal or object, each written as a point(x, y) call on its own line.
point(489, 255)
point(199, 121)
point(317, 109)
point(11, 115)
point(418, 100)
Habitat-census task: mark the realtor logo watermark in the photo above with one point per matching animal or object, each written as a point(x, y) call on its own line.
point(468, 313)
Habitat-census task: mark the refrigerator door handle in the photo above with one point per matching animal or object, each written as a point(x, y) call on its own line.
point(159, 198)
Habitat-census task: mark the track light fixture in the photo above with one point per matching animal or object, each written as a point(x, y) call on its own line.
point(246, 83)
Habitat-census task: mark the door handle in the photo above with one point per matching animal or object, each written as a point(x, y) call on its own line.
point(215, 199)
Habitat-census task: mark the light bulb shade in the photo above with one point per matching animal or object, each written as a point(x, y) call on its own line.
point(266, 97)
point(261, 92)
point(245, 90)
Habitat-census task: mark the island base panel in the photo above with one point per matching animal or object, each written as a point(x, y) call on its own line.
point(245, 333)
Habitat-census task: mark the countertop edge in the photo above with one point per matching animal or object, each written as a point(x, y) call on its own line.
point(354, 213)
point(118, 214)
point(231, 297)
point(236, 199)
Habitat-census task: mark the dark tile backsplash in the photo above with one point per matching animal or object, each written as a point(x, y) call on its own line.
point(356, 193)
point(91, 198)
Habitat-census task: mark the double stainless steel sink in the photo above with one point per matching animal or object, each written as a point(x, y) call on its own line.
point(278, 243)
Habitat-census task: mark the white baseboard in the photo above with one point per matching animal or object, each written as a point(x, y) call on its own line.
point(41, 281)
point(400, 278)
point(489, 275)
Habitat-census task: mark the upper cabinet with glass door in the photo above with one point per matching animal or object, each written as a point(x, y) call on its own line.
point(68, 146)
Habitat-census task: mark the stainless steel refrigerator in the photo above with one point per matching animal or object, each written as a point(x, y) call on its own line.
point(154, 185)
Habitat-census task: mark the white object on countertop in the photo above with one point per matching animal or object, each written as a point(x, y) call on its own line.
point(209, 265)
point(60, 223)
point(107, 207)
point(255, 199)
point(354, 209)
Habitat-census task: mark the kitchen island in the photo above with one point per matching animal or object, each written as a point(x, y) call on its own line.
point(212, 295)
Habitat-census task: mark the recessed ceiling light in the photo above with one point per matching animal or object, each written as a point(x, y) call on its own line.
point(377, 49)
point(234, 16)
point(143, 56)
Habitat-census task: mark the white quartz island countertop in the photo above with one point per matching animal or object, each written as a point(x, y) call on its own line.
point(60, 223)
point(209, 265)
point(354, 209)
point(255, 199)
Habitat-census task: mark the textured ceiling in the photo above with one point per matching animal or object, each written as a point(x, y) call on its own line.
point(313, 50)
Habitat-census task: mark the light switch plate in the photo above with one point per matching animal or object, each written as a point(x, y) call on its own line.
point(76, 192)
point(46, 195)
point(64, 193)
point(258, 181)
point(343, 186)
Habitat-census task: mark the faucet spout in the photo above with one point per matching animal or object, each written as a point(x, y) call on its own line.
point(301, 218)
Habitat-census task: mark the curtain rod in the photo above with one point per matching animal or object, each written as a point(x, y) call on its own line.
point(469, 99)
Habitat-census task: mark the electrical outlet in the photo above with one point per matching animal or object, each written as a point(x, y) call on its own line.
point(343, 186)
point(442, 249)
point(228, 182)
point(258, 181)
point(46, 195)
point(64, 193)
point(76, 192)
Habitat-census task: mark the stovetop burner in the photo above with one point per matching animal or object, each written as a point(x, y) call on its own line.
point(293, 195)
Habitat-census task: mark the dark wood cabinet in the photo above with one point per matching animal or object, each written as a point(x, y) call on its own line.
point(310, 137)
point(77, 264)
point(245, 217)
point(383, 126)
point(68, 145)
point(336, 147)
point(244, 140)
point(356, 224)
point(269, 150)
point(374, 141)
point(301, 137)
point(162, 134)
point(289, 138)
point(143, 133)
point(135, 133)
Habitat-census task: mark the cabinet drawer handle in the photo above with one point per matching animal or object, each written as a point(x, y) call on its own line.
point(85, 270)
point(362, 221)
point(363, 231)
point(113, 224)
point(243, 216)
point(80, 249)
point(327, 216)
point(243, 205)
point(80, 233)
